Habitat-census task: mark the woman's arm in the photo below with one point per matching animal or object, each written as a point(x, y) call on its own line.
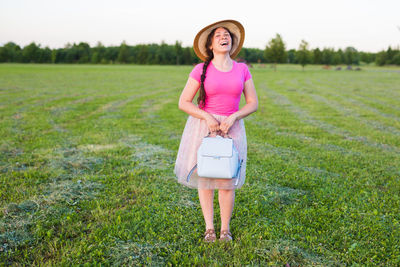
point(251, 101)
point(186, 105)
point(250, 107)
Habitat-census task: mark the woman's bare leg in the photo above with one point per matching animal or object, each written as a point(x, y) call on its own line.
point(206, 197)
point(226, 202)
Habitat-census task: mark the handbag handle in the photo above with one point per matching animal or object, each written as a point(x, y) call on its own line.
point(225, 135)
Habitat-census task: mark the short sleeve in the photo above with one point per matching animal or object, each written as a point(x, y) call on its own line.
point(196, 72)
point(247, 74)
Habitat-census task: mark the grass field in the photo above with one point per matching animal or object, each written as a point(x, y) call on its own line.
point(87, 156)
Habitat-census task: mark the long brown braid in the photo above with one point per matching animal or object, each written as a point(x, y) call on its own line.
point(201, 99)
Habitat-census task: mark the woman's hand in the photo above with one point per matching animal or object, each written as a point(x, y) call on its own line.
point(212, 123)
point(227, 123)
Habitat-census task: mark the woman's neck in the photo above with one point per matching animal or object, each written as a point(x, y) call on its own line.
point(222, 62)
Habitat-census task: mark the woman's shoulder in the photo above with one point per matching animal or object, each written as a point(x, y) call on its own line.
point(241, 65)
point(243, 68)
point(196, 71)
point(198, 65)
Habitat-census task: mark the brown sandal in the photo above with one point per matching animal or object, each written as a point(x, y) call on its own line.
point(209, 235)
point(225, 236)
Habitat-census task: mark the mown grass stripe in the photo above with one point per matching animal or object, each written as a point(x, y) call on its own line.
point(326, 90)
point(303, 115)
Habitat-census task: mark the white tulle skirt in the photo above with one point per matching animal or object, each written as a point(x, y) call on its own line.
point(195, 130)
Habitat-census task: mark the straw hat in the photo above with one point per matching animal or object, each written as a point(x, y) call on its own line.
point(232, 25)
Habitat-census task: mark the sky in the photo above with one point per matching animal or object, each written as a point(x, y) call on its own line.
point(367, 25)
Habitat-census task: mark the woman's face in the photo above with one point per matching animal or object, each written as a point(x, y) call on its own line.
point(221, 41)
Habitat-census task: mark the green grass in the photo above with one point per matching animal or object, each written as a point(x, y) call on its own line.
point(87, 156)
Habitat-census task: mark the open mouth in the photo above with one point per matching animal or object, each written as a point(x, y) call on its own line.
point(224, 43)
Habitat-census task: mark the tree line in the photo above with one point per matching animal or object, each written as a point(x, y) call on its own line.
point(166, 54)
point(276, 52)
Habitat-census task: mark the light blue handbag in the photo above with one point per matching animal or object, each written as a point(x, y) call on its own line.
point(217, 157)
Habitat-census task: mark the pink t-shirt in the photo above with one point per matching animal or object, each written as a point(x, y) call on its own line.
point(223, 89)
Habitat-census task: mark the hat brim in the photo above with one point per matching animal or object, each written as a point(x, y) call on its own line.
point(232, 25)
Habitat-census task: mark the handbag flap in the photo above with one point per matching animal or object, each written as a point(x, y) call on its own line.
point(216, 147)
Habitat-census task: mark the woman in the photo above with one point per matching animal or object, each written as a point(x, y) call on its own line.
point(221, 81)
